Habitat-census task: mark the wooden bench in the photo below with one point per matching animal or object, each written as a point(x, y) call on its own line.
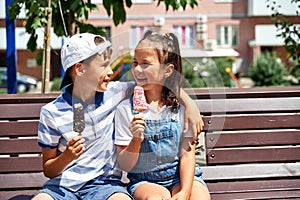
point(251, 147)
point(20, 156)
point(251, 143)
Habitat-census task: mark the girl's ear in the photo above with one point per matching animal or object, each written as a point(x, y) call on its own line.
point(169, 70)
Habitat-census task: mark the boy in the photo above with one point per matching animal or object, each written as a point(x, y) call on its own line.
point(83, 165)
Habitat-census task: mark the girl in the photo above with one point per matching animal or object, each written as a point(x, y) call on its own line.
point(159, 158)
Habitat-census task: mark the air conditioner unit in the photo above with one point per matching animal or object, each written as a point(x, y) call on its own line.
point(201, 36)
point(201, 19)
point(210, 44)
point(201, 27)
point(159, 21)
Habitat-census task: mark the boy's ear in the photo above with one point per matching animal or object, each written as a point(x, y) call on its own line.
point(78, 68)
point(169, 70)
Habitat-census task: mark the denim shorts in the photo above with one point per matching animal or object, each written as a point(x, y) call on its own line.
point(90, 191)
point(170, 184)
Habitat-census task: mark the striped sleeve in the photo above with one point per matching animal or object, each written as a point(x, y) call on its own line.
point(48, 136)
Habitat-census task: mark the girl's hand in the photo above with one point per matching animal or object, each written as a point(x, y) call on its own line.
point(180, 196)
point(74, 148)
point(137, 127)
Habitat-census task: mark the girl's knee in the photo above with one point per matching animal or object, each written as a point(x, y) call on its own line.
point(199, 190)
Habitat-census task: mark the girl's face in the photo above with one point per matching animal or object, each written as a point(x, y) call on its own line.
point(97, 73)
point(146, 69)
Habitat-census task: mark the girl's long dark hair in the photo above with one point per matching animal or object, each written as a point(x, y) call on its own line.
point(167, 48)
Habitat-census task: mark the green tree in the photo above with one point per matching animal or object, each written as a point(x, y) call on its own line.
point(287, 30)
point(212, 73)
point(71, 15)
point(269, 71)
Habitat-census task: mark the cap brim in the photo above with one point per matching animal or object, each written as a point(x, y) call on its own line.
point(66, 81)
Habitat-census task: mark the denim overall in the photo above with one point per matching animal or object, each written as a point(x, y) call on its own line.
point(159, 155)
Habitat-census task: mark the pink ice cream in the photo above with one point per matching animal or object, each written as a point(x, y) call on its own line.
point(139, 100)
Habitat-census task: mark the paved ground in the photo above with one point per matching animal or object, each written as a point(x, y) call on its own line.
point(38, 89)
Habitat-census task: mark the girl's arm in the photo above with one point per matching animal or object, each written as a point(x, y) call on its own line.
point(191, 117)
point(128, 155)
point(187, 168)
point(54, 165)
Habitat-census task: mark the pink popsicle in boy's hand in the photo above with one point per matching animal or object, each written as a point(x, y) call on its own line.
point(139, 100)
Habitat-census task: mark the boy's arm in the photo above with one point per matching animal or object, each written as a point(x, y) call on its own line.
point(187, 168)
point(54, 165)
point(191, 118)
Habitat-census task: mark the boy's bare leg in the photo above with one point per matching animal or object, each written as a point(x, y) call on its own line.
point(119, 196)
point(42, 196)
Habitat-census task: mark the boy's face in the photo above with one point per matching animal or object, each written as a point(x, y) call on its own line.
point(97, 73)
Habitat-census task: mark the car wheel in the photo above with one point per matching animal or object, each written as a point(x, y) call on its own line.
point(21, 88)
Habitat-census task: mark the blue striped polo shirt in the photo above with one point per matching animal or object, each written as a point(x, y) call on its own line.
point(99, 159)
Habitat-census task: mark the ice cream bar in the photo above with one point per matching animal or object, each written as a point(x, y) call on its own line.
point(139, 100)
point(78, 118)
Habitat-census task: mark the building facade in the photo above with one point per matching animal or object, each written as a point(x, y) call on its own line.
point(215, 28)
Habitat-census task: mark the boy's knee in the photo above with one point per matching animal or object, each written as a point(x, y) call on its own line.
point(119, 196)
point(42, 196)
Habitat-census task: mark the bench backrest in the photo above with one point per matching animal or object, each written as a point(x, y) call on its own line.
point(243, 128)
point(257, 129)
point(20, 155)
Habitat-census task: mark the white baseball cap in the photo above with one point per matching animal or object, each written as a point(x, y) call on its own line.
point(78, 48)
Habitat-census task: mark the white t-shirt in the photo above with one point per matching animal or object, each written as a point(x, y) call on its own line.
point(124, 116)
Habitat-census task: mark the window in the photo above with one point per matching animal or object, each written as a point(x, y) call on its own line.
point(133, 1)
point(225, 1)
point(107, 32)
point(186, 35)
point(142, 1)
point(227, 35)
point(136, 34)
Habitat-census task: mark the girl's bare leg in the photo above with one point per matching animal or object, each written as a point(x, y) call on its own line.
point(199, 191)
point(150, 191)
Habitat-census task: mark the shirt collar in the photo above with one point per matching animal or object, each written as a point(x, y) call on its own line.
point(70, 99)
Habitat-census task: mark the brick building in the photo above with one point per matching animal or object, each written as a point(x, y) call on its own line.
point(215, 28)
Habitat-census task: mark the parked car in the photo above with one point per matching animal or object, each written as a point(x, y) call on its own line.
point(24, 82)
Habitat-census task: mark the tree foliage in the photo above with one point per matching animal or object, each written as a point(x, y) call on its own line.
point(287, 30)
point(69, 16)
point(269, 71)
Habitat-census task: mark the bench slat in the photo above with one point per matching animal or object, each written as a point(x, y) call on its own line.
point(21, 164)
point(27, 98)
point(256, 92)
point(258, 171)
point(253, 154)
point(255, 195)
point(24, 181)
point(18, 128)
point(262, 185)
point(248, 105)
point(247, 122)
point(18, 195)
point(252, 138)
point(20, 111)
point(19, 146)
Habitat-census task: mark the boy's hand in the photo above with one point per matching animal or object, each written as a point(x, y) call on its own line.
point(137, 127)
point(193, 118)
point(74, 148)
